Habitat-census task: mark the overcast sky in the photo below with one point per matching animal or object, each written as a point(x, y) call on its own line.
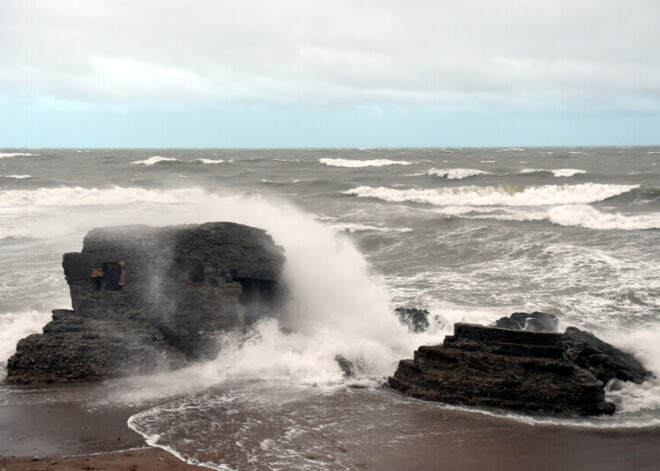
point(305, 73)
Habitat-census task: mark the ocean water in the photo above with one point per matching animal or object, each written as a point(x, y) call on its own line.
point(469, 234)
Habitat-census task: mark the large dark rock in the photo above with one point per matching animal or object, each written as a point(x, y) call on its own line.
point(417, 320)
point(146, 298)
point(511, 369)
point(583, 348)
point(605, 361)
point(535, 322)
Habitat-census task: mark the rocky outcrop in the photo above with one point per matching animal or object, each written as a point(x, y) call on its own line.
point(583, 348)
point(535, 322)
point(146, 298)
point(417, 320)
point(511, 369)
point(605, 361)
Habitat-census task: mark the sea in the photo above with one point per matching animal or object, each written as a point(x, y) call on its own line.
point(470, 234)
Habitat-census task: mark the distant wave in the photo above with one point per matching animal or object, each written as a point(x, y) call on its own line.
point(6, 155)
point(511, 149)
point(586, 216)
point(78, 196)
point(155, 160)
point(17, 177)
point(560, 172)
point(456, 173)
point(351, 227)
point(209, 161)
point(502, 195)
point(361, 163)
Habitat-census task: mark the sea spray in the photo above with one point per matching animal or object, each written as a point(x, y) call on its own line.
point(335, 306)
point(15, 326)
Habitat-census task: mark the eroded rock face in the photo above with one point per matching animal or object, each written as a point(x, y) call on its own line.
point(146, 298)
point(511, 369)
point(535, 322)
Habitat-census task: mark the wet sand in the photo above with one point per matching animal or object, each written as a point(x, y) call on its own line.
point(72, 436)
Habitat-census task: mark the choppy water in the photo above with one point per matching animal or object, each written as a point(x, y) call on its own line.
point(470, 234)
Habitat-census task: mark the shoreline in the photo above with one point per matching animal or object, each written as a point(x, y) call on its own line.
point(135, 459)
point(67, 436)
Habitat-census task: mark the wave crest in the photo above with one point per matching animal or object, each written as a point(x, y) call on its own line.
point(456, 173)
point(362, 163)
point(155, 160)
point(591, 218)
point(502, 195)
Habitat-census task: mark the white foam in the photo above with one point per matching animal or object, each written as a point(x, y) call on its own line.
point(355, 227)
point(335, 307)
point(6, 155)
point(155, 160)
point(78, 196)
point(14, 327)
point(18, 177)
point(503, 195)
point(455, 173)
point(511, 149)
point(362, 163)
point(567, 172)
point(589, 217)
point(210, 161)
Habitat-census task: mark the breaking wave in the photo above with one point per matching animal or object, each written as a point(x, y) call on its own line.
point(560, 172)
point(14, 327)
point(17, 177)
point(210, 161)
point(591, 218)
point(156, 159)
point(362, 163)
point(502, 195)
point(78, 196)
point(456, 173)
point(6, 155)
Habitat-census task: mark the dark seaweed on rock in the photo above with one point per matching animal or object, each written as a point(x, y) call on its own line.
point(146, 298)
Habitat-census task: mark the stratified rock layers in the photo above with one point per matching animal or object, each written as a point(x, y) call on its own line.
point(146, 298)
point(512, 369)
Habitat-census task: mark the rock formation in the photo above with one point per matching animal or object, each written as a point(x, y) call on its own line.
point(146, 298)
point(417, 320)
point(535, 322)
point(511, 369)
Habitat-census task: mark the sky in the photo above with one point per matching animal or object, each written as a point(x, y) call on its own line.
point(341, 73)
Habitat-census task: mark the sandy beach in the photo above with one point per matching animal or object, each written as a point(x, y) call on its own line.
point(72, 436)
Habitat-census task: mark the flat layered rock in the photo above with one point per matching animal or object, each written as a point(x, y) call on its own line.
point(510, 369)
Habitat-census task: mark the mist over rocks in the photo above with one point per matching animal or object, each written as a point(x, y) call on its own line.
point(146, 298)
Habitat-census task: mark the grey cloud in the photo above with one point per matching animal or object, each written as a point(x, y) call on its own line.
point(322, 52)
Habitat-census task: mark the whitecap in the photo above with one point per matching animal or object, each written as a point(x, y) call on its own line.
point(79, 196)
point(18, 177)
point(456, 173)
point(591, 218)
point(511, 149)
point(362, 163)
point(502, 195)
point(567, 172)
point(155, 160)
point(6, 155)
point(210, 161)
